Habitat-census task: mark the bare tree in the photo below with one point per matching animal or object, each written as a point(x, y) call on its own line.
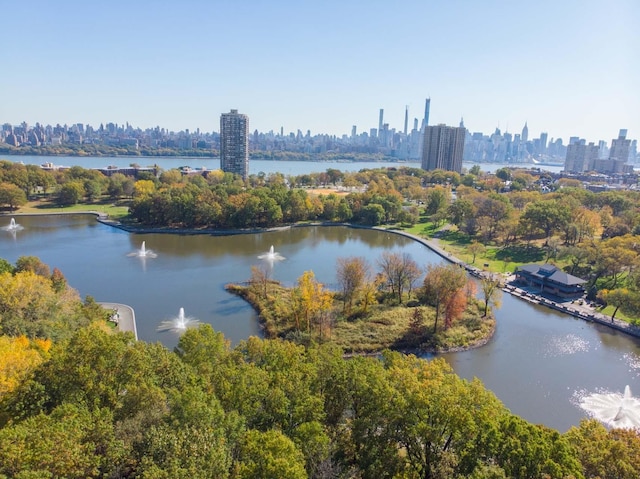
point(401, 272)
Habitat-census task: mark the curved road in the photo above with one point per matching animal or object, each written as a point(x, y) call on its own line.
point(125, 315)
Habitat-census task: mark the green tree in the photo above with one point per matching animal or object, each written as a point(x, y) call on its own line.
point(546, 215)
point(72, 442)
point(372, 214)
point(12, 196)
point(445, 424)
point(628, 301)
point(71, 193)
point(603, 453)
point(528, 450)
point(270, 454)
point(491, 292)
point(475, 249)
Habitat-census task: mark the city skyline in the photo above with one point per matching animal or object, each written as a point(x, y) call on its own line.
point(566, 69)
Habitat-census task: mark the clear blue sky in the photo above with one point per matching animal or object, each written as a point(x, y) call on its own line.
point(567, 67)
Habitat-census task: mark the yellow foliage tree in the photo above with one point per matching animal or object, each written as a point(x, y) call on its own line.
point(20, 356)
point(143, 188)
point(311, 301)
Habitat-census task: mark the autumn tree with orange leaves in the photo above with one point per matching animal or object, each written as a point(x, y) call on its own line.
point(444, 288)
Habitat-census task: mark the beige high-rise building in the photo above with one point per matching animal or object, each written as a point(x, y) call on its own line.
point(443, 148)
point(234, 143)
point(581, 157)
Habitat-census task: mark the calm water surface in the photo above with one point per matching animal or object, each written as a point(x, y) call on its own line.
point(538, 363)
point(287, 168)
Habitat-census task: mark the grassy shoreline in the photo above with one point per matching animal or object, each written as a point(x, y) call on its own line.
point(383, 327)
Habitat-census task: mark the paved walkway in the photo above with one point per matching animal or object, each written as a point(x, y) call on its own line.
point(124, 315)
point(578, 309)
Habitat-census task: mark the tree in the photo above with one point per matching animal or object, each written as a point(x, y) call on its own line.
point(626, 300)
point(32, 264)
point(527, 450)
point(603, 453)
point(435, 414)
point(491, 292)
point(71, 193)
point(20, 356)
point(373, 214)
point(437, 200)
point(442, 285)
point(475, 249)
point(460, 210)
point(143, 188)
point(546, 215)
point(72, 442)
point(93, 189)
point(270, 454)
point(12, 196)
point(400, 271)
point(351, 274)
point(310, 300)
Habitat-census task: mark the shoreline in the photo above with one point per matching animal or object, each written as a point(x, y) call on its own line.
point(588, 316)
point(241, 289)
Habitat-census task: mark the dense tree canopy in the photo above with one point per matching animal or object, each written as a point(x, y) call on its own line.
point(97, 403)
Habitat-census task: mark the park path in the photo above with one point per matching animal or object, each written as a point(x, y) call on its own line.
point(124, 316)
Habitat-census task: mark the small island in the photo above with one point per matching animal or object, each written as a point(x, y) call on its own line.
point(371, 313)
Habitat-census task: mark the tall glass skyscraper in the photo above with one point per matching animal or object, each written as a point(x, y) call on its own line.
point(234, 143)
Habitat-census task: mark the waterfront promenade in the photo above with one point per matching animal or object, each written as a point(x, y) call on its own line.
point(577, 308)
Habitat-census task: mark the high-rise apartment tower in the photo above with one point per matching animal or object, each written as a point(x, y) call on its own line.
point(620, 147)
point(234, 143)
point(443, 148)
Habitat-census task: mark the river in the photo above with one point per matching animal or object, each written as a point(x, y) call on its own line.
point(538, 363)
point(287, 168)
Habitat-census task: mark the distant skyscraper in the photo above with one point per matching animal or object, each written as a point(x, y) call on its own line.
point(543, 142)
point(425, 120)
point(380, 121)
point(234, 143)
point(620, 147)
point(406, 120)
point(443, 148)
point(525, 133)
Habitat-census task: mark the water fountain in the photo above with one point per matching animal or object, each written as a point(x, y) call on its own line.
point(614, 409)
point(13, 226)
point(179, 324)
point(143, 252)
point(271, 255)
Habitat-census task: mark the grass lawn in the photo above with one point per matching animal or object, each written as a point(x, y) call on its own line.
point(498, 259)
point(116, 211)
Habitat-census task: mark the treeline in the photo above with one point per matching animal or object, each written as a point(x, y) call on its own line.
point(522, 217)
point(91, 149)
point(99, 404)
point(97, 150)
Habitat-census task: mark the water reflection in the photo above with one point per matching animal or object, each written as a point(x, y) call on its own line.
point(536, 361)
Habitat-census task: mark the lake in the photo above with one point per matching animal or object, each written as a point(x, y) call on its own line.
point(538, 363)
